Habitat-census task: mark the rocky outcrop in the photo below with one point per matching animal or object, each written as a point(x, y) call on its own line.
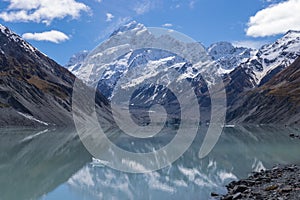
point(277, 183)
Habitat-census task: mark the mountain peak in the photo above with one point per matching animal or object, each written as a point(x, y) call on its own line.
point(131, 26)
point(292, 32)
point(13, 37)
point(220, 47)
point(6, 31)
point(2, 27)
point(291, 35)
point(228, 56)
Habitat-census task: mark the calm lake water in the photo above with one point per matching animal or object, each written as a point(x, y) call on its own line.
point(52, 164)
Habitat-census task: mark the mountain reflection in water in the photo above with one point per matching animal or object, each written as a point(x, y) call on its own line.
point(53, 164)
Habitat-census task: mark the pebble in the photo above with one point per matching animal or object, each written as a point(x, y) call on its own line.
point(279, 183)
point(272, 187)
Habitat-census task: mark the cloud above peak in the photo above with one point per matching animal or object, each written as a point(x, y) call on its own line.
point(49, 36)
point(42, 11)
point(275, 19)
point(167, 25)
point(109, 17)
point(142, 7)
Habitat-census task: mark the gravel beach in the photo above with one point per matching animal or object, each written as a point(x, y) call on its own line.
point(278, 183)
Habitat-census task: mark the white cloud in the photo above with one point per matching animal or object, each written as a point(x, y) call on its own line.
point(167, 25)
point(176, 5)
point(44, 11)
point(192, 4)
point(142, 7)
point(109, 17)
point(50, 36)
point(275, 19)
point(249, 43)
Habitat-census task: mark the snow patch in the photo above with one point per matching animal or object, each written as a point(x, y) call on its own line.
point(33, 119)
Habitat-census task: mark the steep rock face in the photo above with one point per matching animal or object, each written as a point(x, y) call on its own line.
point(34, 89)
point(237, 82)
point(277, 101)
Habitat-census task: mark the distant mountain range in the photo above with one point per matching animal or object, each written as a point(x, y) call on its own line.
point(245, 71)
point(226, 57)
point(261, 85)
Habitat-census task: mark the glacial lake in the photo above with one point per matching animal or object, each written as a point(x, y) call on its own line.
point(52, 164)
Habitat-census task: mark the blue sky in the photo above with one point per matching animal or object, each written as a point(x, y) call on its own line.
point(60, 28)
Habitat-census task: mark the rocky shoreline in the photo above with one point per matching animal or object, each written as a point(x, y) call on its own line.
point(278, 183)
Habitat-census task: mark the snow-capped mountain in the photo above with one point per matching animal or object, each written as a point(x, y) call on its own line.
point(144, 64)
point(259, 65)
point(132, 26)
point(133, 67)
point(242, 69)
point(76, 61)
point(272, 58)
point(268, 61)
point(147, 64)
point(223, 55)
point(228, 57)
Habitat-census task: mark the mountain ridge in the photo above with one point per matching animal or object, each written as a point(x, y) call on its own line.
point(243, 69)
point(277, 101)
point(34, 89)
